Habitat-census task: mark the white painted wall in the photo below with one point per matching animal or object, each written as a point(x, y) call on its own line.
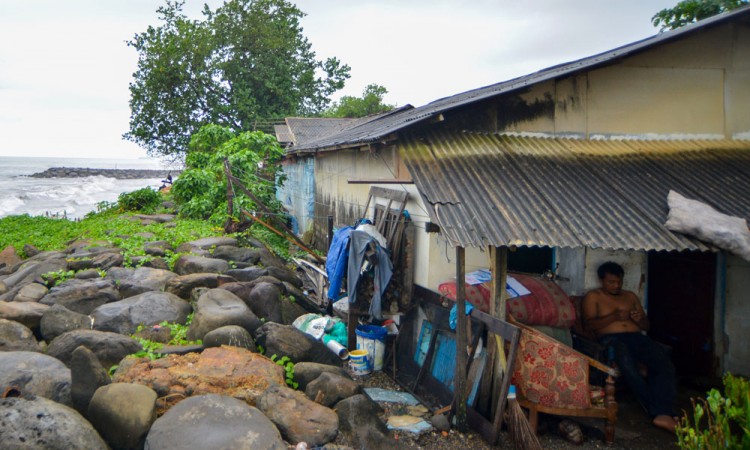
point(634, 263)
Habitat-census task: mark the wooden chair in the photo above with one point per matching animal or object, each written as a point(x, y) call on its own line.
point(553, 378)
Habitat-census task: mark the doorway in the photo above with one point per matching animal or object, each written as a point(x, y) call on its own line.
point(681, 291)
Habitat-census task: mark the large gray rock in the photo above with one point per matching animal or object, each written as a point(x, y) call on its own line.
point(183, 285)
point(9, 257)
point(123, 413)
point(328, 389)
point(232, 335)
point(284, 274)
point(31, 271)
point(132, 282)
point(45, 424)
point(359, 422)
point(150, 262)
point(149, 308)
point(265, 301)
point(285, 340)
point(82, 296)
point(32, 292)
point(108, 347)
point(86, 376)
point(217, 308)
point(157, 248)
point(36, 374)
point(207, 243)
point(298, 418)
point(187, 264)
point(27, 313)
point(305, 372)
point(213, 421)
point(248, 273)
point(16, 337)
point(58, 319)
point(236, 254)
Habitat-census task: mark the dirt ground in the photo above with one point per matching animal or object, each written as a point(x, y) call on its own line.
point(633, 429)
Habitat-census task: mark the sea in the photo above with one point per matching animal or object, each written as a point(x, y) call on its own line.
point(72, 198)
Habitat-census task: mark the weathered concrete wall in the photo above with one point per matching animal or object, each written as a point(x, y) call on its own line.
point(634, 263)
point(737, 316)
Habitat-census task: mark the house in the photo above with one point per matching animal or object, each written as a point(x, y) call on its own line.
point(569, 167)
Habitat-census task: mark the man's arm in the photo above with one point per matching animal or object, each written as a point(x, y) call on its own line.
point(638, 315)
point(590, 310)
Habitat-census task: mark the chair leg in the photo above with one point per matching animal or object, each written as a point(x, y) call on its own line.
point(533, 419)
point(611, 405)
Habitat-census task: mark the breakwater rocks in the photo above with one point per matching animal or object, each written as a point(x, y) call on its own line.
point(120, 174)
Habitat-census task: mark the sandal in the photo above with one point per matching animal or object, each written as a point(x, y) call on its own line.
point(571, 431)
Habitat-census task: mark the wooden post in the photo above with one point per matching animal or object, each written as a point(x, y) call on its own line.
point(499, 265)
point(228, 224)
point(460, 377)
point(330, 231)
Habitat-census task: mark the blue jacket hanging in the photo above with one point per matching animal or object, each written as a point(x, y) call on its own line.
point(337, 260)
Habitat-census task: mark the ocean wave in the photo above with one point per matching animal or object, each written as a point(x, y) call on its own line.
point(8, 204)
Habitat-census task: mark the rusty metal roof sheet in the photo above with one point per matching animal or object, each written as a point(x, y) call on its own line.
point(383, 126)
point(505, 190)
point(306, 129)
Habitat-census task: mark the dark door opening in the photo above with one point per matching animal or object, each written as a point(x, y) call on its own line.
point(681, 291)
point(534, 260)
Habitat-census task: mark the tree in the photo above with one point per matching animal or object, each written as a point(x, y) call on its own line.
point(243, 62)
point(689, 11)
point(371, 102)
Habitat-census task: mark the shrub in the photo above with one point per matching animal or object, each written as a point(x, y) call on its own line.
point(145, 200)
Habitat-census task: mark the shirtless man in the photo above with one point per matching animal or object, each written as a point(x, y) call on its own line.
point(617, 318)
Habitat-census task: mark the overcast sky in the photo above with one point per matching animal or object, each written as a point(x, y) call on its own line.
point(65, 68)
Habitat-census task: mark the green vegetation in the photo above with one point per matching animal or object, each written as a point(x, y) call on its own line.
point(288, 366)
point(245, 61)
point(371, 102)
point(689, 11)
point(718, 421)
point(55, 278)
point(145, 200)
point(201, 190)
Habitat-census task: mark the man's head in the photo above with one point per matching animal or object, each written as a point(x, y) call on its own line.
point(610, 274)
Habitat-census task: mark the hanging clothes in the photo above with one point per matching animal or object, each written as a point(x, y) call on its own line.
point(337, 260)
point(359, 242)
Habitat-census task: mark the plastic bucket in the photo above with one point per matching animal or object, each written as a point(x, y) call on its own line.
point(372, 339)
point(358, 362)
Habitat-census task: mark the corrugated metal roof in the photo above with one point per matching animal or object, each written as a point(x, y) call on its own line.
point(383, 126)
point(504, 190)
point(307, 129)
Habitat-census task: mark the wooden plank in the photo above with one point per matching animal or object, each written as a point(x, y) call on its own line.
point(460, 386)
point(391, 194)
point(378, 181)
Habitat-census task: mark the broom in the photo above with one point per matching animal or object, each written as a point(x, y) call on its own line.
point(519, 429)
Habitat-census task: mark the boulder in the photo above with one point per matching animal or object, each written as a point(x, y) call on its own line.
point(58, 319)
point(285, 275)
point(214, 421)
point(31, 271)
point(153, 218)
point(82, 296)
point(265, 301)
point(224, 370)
point(109, 348)
point(16, 337)
point(183, 285)
point(86, 376)
point(290, 311)
point(231, 335)
point(236, 254)
point(37, 374)
point(150, 262)
point(285, 340)
point(208, 243)
point(187, 264)
point(88, 274)
point(305, 372)
point(360, 424)
point(329, 388)
point(26, 313)
point(298, 418)
point(149, 308)
point(9, 257)
point(157, 248)
point(44, 424)
point(30, 250)
point(32, 292)
point(132, 282)
point(247, 274)
point(106, 261)
point(217, 308)
point(123, 413)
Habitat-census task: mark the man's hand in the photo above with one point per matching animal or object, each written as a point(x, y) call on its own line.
point(636, 315)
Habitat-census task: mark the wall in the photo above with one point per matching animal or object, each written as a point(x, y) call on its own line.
point(634, 263)
point(298, 192)
point(737, 316)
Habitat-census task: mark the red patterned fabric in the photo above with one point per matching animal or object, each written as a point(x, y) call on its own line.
point(546, 305)
point(477, 294)
point(550, 373)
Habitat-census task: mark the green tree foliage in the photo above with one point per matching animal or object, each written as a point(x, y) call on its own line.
point(371, 102)
point(247, 60)
point(145, 200)
point(201, 189)
point(689, 11)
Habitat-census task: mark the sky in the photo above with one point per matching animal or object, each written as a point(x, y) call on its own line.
point(65, 66)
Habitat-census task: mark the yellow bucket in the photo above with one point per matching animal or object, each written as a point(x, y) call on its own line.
point(358, 362)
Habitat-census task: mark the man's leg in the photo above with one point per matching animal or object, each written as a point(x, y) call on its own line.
point(661, 375)
point(626, 364)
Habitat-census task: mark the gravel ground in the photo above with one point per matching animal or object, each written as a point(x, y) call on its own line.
point(633, 428)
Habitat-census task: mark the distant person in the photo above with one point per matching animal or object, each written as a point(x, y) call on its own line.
point(617, 318)
point(165, 182)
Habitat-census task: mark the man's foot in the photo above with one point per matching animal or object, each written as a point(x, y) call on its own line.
point(666, 422)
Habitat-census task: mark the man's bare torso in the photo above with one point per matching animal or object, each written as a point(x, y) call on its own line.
point(601, 303)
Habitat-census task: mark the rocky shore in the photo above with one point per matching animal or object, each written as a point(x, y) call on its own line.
point(58, 340)
point(120, 174)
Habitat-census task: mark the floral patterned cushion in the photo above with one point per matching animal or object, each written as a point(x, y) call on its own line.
point(550, 373)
